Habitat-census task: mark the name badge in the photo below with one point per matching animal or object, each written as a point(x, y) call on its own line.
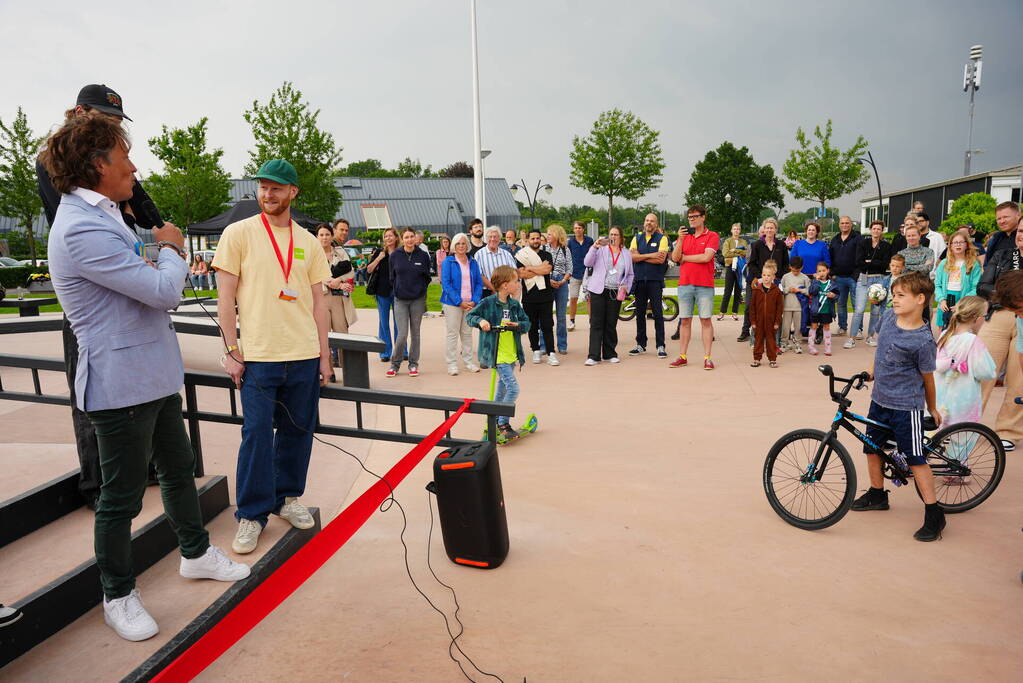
point(288, 295)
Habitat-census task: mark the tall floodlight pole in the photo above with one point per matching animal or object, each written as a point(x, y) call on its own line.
point(971, 84)
point(477, 141)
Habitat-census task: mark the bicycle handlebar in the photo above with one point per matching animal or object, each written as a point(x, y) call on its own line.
point(855, 382)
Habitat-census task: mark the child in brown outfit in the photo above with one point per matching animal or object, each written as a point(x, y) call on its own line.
point(766, 307)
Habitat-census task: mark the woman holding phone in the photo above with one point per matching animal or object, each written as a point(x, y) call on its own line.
point(610, 282)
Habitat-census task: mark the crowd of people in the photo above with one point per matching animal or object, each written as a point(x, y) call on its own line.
point(285, 288)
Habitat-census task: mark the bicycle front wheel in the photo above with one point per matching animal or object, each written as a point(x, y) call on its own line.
point(968, 461)
point(628, 309)
point(670, 304)
point(802, 496)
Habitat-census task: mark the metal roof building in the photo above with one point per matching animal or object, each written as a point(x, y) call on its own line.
point(434, 204)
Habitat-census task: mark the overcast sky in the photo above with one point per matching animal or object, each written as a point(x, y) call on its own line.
point(393, 79)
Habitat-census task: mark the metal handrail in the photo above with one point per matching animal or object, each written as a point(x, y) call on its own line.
point(193, 415)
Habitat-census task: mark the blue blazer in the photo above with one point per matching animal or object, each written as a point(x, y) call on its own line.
point(117, 305)
point(451, 281)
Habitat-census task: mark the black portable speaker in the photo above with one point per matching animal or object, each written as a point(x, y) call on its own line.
point(470, 503)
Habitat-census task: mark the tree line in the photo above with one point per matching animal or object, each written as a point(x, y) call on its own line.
point(620, 158)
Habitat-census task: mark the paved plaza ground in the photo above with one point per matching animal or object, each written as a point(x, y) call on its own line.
point(642, 546)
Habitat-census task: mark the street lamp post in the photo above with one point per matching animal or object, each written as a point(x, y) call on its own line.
point(971, 84)
point(447, 219)
point(531, 200)
point(880, 202)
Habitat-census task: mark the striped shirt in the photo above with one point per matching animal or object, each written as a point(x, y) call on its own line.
point(562, 262)
point(489, 260)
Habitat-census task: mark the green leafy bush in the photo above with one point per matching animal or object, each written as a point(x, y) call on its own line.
point(11, 278)
point(977, 208)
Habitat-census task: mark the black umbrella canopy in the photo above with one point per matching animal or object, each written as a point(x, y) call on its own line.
point(240, 211)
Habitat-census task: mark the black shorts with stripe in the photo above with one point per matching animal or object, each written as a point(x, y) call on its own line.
point(906, 428)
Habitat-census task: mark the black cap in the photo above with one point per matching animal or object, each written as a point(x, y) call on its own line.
point(101, 98)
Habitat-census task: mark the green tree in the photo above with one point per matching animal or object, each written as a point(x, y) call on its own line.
point(621, 157)
point(19, 198)
point(819, 172)
point(367, 168)
point(286, 128)
point(193, 185)
point(459, 169)
point(413, 169)
point(733, 187)
point(977, 208)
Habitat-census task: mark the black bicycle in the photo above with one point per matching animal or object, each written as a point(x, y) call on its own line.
point(810, 480)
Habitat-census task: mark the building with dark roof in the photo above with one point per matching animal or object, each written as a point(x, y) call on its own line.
point(438, 205)
point(1003, 185)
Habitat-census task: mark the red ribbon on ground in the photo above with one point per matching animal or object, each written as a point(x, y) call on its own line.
point(300, 566)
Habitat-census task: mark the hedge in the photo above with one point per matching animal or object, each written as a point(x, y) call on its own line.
point(11, 278)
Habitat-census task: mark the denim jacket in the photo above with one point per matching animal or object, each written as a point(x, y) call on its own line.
point(490, 310)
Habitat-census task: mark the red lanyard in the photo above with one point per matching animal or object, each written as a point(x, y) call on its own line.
point(277, 250)
point(614, 259)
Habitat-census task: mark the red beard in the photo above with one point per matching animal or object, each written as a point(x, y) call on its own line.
point(282, 206)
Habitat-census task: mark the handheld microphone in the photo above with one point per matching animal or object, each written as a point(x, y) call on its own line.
point(150, 213)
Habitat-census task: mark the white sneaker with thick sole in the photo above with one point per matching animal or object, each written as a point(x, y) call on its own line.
point(849, 343)
point(590, 361)
point(1008, 445)
point(247, 536)
point(129, 618)
point(297, 514)
point(536, 356)
point(616, 359)
point(472, 367)
point(452, 369)
point(571, 324)
point(552, 359)
point(213, 565)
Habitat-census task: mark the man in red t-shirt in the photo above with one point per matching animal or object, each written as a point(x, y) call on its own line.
point(694, 252)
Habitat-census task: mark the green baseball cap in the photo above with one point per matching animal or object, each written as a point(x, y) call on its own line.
point(279, 171)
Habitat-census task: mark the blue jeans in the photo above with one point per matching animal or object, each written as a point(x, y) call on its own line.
point(199, 281)
point(272, 463)
point(845, 287)
point(385, 304)
point(862, 285)
point(507, 388)
point(560, 323)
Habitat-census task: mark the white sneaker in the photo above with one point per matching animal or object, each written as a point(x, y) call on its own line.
point(590, 361)
point(849, 343)
point(616, 359)
point(472, 367)
point(571, 324)
point(129, 618)
point(247, 536)
point(552, 359)
point(452, 369)
point(213, 565)
point(871, 341)
point(297, 514)
point(536, 356)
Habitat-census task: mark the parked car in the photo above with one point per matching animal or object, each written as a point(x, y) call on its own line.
point(39, 262)
point(8, 262)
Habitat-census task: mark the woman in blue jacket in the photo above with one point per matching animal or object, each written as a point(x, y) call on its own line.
point(461, 289)
point(811, 250)
point(957, 275)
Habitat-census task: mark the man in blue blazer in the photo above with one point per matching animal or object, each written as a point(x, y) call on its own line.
point(129, 365)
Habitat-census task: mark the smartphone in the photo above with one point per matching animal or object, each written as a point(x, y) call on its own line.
point(690, 230)
point(151, 252)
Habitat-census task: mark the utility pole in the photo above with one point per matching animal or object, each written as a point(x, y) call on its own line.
point(971, 84)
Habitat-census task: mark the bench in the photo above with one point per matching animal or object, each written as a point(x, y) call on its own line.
point(355, 348)
point(28, 308)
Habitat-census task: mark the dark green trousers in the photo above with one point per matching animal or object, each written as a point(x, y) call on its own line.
point(128, 438)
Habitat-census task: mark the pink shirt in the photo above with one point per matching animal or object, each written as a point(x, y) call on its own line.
point(466, 282)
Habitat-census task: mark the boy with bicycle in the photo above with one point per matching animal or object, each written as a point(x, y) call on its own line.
point(903, 376)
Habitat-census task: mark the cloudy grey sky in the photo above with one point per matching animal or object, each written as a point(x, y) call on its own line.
point(393, 78)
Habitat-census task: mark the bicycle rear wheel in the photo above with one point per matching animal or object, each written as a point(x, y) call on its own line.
point(670, 304)
point(628, 309)
point(803, 498)
point(977, 448)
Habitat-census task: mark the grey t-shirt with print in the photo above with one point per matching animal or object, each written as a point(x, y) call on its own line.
point(901, 360)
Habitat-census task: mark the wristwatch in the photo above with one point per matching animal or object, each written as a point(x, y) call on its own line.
point(179, 250)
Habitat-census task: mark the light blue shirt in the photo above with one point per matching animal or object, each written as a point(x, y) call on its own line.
point(116, 304)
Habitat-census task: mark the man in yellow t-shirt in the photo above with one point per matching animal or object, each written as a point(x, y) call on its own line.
point(272, 268)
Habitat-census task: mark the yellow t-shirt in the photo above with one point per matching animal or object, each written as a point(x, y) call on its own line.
point(273, 330)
